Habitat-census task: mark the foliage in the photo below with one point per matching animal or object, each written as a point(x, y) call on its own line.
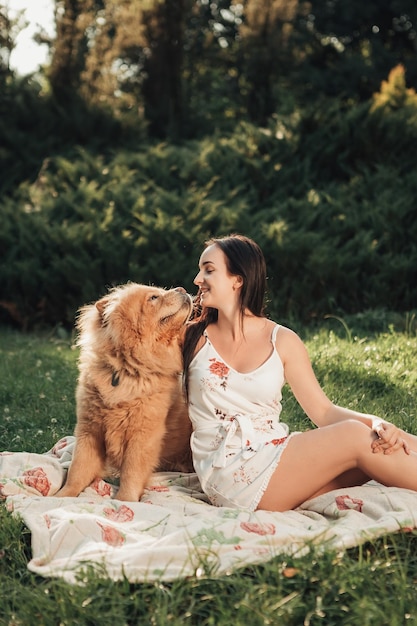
point(347, 49)
point(188, 67)
point(265, 32)
point(363, 369)
point(73, 22)
point(34, 128)
point(89, 199)
point(319, 193)
point(394, 94)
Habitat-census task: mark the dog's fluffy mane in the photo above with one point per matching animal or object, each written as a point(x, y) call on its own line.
point(111, 335)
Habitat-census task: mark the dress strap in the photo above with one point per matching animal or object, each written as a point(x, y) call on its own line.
point(274, 333)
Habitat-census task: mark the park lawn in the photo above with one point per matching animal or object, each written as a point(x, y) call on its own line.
point(373, 584)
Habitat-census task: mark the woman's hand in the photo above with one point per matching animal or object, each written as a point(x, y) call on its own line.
point(389, 438)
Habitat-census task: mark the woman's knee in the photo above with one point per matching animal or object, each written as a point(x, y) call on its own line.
point(353, 431)
point(356, 426)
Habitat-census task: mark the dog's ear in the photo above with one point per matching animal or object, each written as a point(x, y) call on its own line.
point(101, 305)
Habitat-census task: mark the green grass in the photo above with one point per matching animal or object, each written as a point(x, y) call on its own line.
point(37, 384)
point(374, 584)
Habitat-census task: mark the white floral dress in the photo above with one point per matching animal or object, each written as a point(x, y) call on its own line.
point(237, 438)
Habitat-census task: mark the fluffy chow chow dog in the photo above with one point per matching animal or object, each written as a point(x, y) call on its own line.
point(131, 414)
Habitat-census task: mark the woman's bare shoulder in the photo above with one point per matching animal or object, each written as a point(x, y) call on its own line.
point(289, 343)
point(287, 334)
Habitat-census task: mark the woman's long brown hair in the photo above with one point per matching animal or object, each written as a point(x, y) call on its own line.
point(243, 258)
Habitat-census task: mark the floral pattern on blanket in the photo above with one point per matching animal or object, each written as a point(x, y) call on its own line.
point(173, 531)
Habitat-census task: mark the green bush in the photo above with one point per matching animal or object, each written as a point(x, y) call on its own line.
point(330, 197)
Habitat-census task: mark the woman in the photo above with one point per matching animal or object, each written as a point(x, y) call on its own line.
point(236, 362)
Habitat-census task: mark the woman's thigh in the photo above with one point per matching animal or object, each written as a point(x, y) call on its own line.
point(315, 462)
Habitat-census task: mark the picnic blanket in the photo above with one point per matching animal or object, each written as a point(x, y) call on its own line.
point(173, 531)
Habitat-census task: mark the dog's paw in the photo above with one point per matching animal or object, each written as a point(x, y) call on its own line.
point(128, 495)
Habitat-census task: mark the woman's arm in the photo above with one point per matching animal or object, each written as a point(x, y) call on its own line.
point(300, 376)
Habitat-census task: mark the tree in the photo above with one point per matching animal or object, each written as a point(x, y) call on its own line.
point(70, 48)
point(113, 66)
point(163, 83)
point(356, 43)
point(265, 50)
point(9, 29)
point(135, 60)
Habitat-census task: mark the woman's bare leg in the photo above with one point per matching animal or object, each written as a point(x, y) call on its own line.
point(411, 440)
point(347, 479)
point(327, 458)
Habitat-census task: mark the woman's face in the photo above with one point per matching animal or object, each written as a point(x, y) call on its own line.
point(217, 287)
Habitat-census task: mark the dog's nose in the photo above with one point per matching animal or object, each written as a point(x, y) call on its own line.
point(180, 289)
